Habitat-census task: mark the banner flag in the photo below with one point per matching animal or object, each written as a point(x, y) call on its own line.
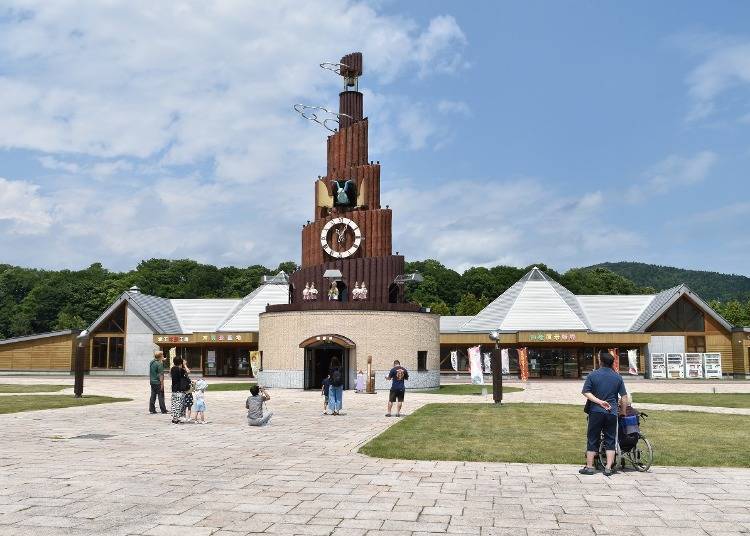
point(633, 362)
point(475, 365)
point(616, 354)
point(523, 363)
point(504, 361)
point(255, 362)
point(454, 360)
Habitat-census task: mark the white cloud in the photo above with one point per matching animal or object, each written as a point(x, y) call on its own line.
point(483, 223)
point(726, 66)
point(170, 125)
point(671, 173)
point(23, 207)
point(454, 107)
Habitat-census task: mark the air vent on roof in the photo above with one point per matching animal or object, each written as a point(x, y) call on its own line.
point(536, 275)
point(135, 290)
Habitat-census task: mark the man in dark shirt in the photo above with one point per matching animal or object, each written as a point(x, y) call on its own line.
point(601, 390)
point(156, 379)
point(397, 375)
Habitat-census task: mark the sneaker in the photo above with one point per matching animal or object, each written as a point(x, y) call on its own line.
point(587, 470)
point(387, 414)
point(165, 413)
point(398, 415)
point(608, 472)
point(152, 412)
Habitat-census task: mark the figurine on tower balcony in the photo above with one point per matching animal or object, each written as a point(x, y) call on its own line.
point(306, 292)
point(356, 292)
point(333, 292)
point(313, 292)
point(363, 291)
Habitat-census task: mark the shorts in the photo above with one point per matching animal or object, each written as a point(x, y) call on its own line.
point(188, 400)
point(200, 405)
point(598, 423)
point(396, 395)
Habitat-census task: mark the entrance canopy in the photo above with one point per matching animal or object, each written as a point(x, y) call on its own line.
point(327, 339)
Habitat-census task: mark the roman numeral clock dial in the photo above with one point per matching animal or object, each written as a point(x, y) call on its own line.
point(333, 238)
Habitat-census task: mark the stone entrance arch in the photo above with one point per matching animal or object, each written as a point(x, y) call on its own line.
point(320, 350)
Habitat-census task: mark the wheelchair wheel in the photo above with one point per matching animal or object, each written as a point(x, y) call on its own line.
point(642, 455)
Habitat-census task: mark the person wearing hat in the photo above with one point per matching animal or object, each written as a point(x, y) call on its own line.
point(200, 400)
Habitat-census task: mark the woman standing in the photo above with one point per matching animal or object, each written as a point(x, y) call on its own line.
point(336, 390)
point(180, 381)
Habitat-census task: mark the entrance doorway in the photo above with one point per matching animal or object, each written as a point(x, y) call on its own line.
point(318, 363)
point(553, 363)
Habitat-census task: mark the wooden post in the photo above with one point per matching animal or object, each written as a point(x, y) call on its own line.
point(497, 375)
point(370, 376)
point(81, 345)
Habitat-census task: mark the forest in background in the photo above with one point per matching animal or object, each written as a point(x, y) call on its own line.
point(38, 301)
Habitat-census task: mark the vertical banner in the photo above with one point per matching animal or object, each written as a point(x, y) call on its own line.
point(616, 354)
point(523, 363)
point(633, 362)
point(454, 360)
point(487, 362)
point(504, 361)
point(475, 365)
point(255, 362)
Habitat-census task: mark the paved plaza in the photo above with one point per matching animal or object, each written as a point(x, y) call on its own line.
point(115, 470)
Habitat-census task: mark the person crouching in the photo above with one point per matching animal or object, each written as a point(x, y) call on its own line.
point(254, 405)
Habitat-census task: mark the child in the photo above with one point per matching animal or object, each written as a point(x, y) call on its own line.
point(360, 381)
point(200, 400)
point(188, 405)
point(324, 392)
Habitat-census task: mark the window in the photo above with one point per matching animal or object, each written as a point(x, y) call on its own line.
point(695, 344)
point(107, 352)
point(99, 352)
point(115, 323)
point(681, 316)
point(421, 360)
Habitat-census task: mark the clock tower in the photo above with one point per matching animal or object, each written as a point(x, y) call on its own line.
point(350, 231)
point(346, 307)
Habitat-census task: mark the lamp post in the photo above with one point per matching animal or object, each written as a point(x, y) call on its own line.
point(496, 366)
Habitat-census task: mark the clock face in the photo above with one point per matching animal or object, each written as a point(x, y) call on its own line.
point(341, 231)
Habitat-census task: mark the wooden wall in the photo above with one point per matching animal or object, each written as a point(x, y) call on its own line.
point(45, 354)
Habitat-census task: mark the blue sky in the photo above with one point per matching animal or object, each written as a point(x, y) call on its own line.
point(509, 132)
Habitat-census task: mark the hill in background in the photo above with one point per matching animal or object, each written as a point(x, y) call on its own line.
point(708, 285)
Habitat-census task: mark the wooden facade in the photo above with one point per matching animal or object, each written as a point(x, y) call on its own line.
point(49, 352)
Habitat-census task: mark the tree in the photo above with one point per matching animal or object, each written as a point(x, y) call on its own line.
point(66, 320)
point(470, 305)
point(440, 308)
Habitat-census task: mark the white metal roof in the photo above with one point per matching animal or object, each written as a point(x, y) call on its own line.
point(618, 313)
point(540, 307)
point(245, 316)
point(451, 324)
point(202, 314)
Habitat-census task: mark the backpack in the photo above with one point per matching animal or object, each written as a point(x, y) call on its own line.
point(336, 379)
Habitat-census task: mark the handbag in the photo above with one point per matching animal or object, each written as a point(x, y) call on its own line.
point(587, 407)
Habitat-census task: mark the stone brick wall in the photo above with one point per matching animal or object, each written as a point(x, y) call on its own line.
point(385, 335)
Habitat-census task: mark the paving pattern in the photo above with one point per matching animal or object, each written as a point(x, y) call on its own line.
point(115, 470)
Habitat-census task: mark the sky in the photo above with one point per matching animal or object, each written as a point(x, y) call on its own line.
point(514, 132)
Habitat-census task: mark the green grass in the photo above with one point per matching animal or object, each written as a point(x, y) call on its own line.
point(468, 389)
point(19, 403)
point(236, 386)
point(33, 388)
point(552, 433)
point(719, 400)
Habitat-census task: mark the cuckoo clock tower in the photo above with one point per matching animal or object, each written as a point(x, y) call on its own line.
point(350, 231)
point(346, 302)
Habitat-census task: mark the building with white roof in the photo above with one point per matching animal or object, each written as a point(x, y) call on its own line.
point(563, 333)
point(212, 335)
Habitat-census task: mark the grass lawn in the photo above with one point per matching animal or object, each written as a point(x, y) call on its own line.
point(33, 388)
point(468, 389)
point(19, 403)
point(235, 386)
point(719, 400)
point(552, 433)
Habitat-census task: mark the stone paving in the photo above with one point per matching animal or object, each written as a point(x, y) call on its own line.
point(115, 470)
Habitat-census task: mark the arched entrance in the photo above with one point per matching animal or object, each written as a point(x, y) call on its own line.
point(319, 352)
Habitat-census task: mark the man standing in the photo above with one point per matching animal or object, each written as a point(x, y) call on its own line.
point(156, 378)
point(397, 375)
point(601, 390)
